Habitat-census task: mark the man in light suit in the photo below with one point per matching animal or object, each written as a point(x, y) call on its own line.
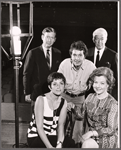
point(37, 68)
point(107, 57)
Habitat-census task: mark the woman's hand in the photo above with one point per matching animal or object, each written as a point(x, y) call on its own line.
point(87, 135)
point(95, 133)
point(70, 105)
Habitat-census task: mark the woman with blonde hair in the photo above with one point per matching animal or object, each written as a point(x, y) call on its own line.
point(101, 112)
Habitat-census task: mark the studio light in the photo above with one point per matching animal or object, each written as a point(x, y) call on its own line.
point(16, 43)
point(15, 33)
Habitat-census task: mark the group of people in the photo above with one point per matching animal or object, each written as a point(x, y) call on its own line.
point(84, 84)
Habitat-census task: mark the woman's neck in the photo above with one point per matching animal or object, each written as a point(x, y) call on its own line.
point(52, 96)
point(53, 100)
point(103, 95)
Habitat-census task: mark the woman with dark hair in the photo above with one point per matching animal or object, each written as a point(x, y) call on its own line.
point(46, 129)
point(101, 112)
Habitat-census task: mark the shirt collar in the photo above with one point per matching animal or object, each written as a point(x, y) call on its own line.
point(101, 51)
point(81, 67)
point(45, 49)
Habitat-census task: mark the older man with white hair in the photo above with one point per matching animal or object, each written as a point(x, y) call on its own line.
point(101, 55)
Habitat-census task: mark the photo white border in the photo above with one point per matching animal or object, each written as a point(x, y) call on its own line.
point(119, 42)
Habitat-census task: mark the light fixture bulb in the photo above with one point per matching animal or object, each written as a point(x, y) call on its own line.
point(16, 42)
point(15, 31)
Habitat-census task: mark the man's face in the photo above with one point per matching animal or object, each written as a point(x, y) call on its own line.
point(100, 41)
point(77, 57)
point(48, 39)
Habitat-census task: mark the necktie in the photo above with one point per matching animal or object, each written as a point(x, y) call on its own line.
point(48, 58)
point(97, 59)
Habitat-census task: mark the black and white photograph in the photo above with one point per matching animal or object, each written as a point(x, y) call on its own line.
point(60, 74)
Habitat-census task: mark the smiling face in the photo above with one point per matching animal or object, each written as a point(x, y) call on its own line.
point(57, 86)
point(48, 39)
point(100, 85)
point(100, 41)
point(77, 57)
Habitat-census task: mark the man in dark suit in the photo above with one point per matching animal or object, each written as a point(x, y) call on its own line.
point(101, 55)
point(39, 63)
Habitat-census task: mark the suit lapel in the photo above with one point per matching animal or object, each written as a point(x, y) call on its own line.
point(105, 59)
point(104, 56)
point(43, 57)
point(53, 58)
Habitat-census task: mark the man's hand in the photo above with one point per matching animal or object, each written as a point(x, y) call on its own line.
point(27, 98)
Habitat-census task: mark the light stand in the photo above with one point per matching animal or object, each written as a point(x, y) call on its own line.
point(16, 49)
point(15, 18)
point(16, 86)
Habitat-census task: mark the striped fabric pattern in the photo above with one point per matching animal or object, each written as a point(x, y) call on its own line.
point(50, 120)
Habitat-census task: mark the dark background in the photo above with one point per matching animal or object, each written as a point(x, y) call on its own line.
point(72, 21)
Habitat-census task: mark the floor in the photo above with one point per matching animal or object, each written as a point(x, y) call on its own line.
point(8, 127)
point(8, 134)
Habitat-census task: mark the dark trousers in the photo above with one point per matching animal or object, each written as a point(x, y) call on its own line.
point(36, 142)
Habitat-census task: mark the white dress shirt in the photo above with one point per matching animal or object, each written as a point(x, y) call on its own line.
point(100, 54)
point(50, 52)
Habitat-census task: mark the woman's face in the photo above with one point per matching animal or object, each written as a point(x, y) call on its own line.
point(100, 85)
point(57, 86)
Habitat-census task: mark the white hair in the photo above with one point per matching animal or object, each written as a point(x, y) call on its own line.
point(100, 31)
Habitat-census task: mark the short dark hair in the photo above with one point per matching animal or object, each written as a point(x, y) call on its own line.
point(48, 29)
point(55, 75)
point(103, 71)
point(79, 45)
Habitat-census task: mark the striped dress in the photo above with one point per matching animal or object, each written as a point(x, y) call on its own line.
point(50, 120)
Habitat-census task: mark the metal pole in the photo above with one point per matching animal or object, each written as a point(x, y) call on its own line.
point(16, 81)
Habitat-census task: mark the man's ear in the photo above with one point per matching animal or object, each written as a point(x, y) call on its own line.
point(93, 40)
point(55, 39)
point(42, 36)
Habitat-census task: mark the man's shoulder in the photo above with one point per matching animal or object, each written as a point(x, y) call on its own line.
point(56, 50)
point(89, 65)
point(89, 62)
point(91, 51)
point(67, 60)
point(110, 50)
point(65, 63)
point(91, 48)
point(36, 49)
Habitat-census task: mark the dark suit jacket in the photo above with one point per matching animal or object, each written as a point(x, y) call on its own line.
point(36, 71)
point(108, 59)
